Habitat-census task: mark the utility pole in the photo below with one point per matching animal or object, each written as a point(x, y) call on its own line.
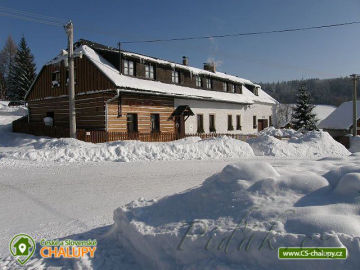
point(72, 114)
point(120, 66)
point(355, 77)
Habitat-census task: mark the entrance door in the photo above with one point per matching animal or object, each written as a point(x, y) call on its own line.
point(262, 124)
point(179, 126)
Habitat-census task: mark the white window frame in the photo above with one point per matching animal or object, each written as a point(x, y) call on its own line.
point(198, 81)
point(175, 76)
point(225, 86)
point(208, 83)
point(128, 67)
point(149, 71)
point(233, 88)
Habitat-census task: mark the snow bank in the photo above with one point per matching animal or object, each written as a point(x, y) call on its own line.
point(272, 131)
point(313, 144)
point(71, 150)
point(238, 218)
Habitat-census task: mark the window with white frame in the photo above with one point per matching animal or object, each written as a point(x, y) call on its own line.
point(149, 71)
point(175, 76)
point(208, 83)
point(225, 86)
point(198, 81)
point(128, 67)
point(233, 88)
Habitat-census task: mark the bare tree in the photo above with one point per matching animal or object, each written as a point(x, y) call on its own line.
point(283, 115)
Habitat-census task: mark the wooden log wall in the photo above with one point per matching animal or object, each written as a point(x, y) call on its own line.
point(143, 106)
point(90, 110)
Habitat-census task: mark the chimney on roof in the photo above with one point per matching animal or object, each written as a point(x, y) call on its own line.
point(185, 61)
point(210, 67)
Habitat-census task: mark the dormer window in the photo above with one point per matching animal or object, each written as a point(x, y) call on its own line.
point(149, 71)
point(256, 91)
point(225, 86)
point(128, 67)
point(232, 88)
point(208, 83)
point(55, 78)
point(175, 76)
point(198, 81)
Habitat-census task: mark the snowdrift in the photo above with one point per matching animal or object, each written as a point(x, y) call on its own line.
point(311, 145)
point(71, 150)
point(238, 218)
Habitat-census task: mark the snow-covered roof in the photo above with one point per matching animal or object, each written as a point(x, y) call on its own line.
point(127, 82)
point(323, 111)
point(341, 118)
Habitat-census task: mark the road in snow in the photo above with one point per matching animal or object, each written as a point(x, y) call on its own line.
point(55, 200)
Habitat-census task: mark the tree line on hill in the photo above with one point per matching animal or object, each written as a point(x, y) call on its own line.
point(322, 91)
point(17, 70)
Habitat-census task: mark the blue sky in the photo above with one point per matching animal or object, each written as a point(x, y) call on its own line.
point(312, 54)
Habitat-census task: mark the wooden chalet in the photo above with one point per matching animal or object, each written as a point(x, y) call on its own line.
point(132, 93)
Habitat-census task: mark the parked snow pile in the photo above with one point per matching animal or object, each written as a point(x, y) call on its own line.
point(313, 144)
point(238, 218)
point(66, 149)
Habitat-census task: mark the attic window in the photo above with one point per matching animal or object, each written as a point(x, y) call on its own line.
point(128, 67)
point(149, 71)
point(55, 78)
point(198, 81)
point(208, 83)
point(175, 76)
point(225, 86)
point(256, 91)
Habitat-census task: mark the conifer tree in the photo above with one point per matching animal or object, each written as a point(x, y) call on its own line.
point(303, 117)
point(22, 72)
point(7, 57)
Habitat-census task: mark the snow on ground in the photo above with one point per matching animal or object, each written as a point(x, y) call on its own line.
point(296, 200)
point(286, 201)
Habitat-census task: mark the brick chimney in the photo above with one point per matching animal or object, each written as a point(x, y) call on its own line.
point(185, 61)
point(210, 67)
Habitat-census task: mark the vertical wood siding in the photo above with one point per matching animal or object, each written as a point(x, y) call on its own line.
point(87, 78)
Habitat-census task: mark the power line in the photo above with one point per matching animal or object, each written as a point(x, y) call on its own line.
point(33, 17)
point(43, 19)
point(30, 19)
point(36, 15)
point(243, 34)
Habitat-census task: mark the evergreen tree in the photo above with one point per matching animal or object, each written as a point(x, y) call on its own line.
point(303, 118)
point(22, 72)
point(7, 58)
